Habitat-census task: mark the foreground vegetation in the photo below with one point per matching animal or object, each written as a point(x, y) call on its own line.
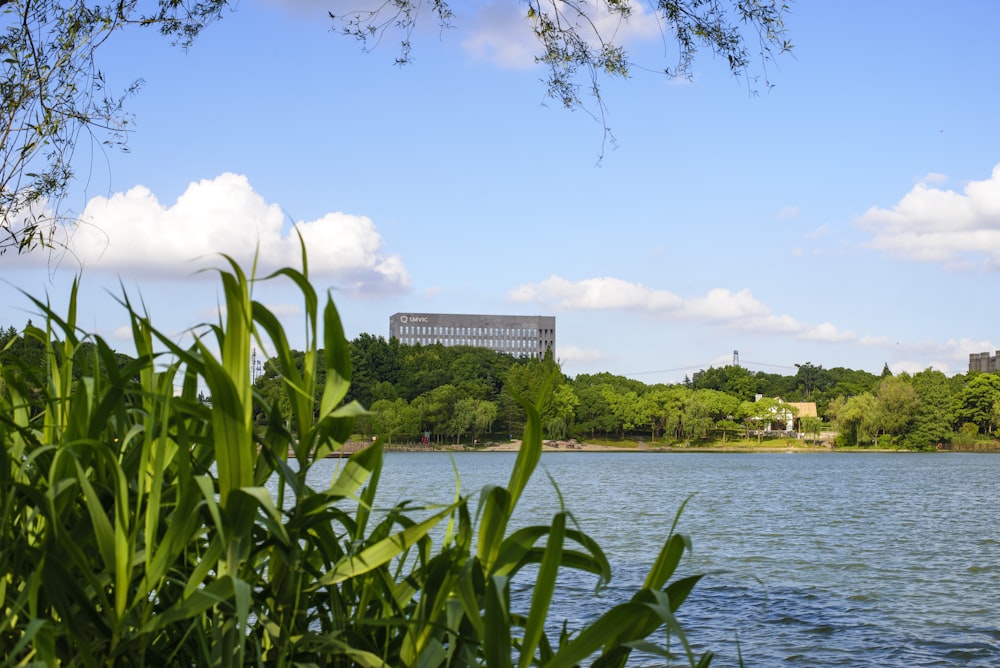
point(143, 526)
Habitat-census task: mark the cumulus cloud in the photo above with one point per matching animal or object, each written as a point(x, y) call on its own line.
point(912, 367)
point(933, 177)
point(500, 33)
point(494, 31)
point(873, 341)
point(961, 229)
point(959, 349)
point(571, 353)
point(719, 306)
point(949, 357)
point(722, 304)
point(281, 309)
point(134, 232)
point(827, 332)
point(594, 293)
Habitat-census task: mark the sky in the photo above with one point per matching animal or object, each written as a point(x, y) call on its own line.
point(847, 215)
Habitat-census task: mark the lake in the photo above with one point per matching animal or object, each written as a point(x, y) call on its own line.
point(823, 559)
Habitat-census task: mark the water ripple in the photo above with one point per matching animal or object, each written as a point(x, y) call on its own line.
point(821, 560)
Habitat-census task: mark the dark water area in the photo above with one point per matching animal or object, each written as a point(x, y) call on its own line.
point(842, 559)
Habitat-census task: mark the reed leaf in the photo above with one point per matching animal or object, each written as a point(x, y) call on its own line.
point(545, 584)
point(383, 551)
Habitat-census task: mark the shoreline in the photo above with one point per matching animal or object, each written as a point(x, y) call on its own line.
point(515, 446)
point(571, 447)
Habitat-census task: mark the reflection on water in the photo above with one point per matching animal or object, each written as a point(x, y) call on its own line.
point(850, 559)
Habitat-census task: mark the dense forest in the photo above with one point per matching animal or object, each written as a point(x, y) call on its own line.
point(467, 395)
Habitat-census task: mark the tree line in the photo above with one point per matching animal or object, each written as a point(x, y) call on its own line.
point(464, 394)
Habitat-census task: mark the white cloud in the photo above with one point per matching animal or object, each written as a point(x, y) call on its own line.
point(494, 31)
point(719, 306)
point(500, 32)
point(284, 309)
point(932, 177)
point(788, 212)
point(950, 357)
point(595, 293)
point(134, 232)
point(828, 333)
point(961, 229)
point(722, 304)
point(911, 367)
point(959, 349)
point(873, 341)
point(820, 232)
point(571, 353)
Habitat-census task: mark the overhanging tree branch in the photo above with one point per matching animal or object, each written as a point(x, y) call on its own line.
point(53, 93)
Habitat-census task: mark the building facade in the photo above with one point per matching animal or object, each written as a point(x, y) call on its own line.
point(518, 335)
point(983, 362)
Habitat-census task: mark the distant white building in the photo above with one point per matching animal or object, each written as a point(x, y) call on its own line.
point(518, 335)
point(788, 414)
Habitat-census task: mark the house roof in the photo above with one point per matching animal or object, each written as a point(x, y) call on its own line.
point(805, 408)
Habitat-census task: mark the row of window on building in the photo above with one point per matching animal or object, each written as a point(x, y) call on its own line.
point(469, 331)
point(495, 344)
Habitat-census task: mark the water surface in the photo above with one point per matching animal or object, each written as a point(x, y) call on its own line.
point(842, 559)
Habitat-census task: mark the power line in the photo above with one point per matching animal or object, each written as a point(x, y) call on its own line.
point(777, 366)
point(680, 368)
point(709, 365)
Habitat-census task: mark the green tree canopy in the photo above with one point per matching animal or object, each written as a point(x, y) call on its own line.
point(897, 402)
point(975, 401)
point(734, 380)
point(857, 419)
point(932, 418)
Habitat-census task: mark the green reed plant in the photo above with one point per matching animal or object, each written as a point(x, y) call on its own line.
point(136, 530)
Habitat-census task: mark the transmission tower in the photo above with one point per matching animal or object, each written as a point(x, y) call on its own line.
point(736, 358)
point(255, 366)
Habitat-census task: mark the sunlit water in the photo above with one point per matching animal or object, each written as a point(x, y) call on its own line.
point(813, 559)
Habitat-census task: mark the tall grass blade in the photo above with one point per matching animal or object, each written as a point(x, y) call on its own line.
point(545, 585)
point(383, 551)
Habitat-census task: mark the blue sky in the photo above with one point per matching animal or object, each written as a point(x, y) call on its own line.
point(847, 216)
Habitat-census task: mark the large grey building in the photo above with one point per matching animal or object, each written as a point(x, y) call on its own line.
point(518, 335)
point(983, 362)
